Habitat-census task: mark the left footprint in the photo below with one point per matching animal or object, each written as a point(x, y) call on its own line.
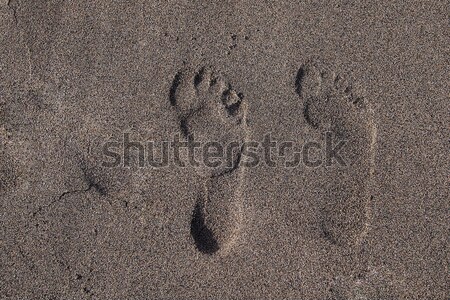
point(210, 110)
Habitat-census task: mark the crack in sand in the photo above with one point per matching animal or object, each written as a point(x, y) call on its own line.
point(13, 8)
point(14, 11)
point(60, 197)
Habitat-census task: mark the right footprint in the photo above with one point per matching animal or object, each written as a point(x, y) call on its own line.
point(210, 110)
point(332, 106)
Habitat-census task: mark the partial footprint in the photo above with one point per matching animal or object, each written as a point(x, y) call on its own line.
point(331, 105)
point(210, 110)
point(370, 285)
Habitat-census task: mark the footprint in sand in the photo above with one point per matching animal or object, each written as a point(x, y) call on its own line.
point(332, 105)
point(211, 110)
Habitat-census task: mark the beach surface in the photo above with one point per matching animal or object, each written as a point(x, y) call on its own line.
point(337, 187)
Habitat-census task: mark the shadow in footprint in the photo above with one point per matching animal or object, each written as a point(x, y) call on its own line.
point(203, 237)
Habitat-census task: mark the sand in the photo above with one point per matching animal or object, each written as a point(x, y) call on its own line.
point(76, 75)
